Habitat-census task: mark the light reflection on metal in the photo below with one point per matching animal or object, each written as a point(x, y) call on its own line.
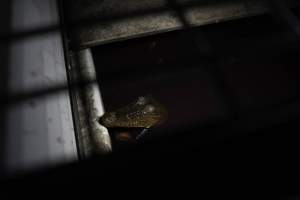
point(92, 136)
point(94, 22)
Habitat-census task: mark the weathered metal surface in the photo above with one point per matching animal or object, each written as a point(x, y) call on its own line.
point(92, 136)
point(145, 112)
point(38, 125)
point(94, 22)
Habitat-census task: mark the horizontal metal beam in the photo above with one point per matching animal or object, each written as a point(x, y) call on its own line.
point(97, 22)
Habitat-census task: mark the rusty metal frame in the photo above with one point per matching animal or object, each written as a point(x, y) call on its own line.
point(93, 138)
point(87, 107)
point(91, 23)
point(98, 22)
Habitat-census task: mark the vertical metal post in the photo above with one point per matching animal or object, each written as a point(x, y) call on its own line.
point(94, 137)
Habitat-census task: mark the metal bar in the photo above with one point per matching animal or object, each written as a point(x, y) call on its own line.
point(92, 137)
point(99, 22)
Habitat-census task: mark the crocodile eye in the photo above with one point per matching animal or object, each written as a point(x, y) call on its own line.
point(141, 101)
point(111, 117)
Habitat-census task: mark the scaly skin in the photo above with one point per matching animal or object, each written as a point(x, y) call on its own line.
point(143, 113)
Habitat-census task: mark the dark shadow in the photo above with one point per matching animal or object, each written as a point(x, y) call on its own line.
point(207, 52)
point(194, 84)
point(10, 100)
point(211, 56)
point(5, 21)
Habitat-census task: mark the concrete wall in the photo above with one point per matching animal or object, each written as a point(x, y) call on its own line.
point(37, 125)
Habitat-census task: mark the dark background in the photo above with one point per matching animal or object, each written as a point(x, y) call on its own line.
point(233, 71)
point(232, 93)
point(5, 14)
